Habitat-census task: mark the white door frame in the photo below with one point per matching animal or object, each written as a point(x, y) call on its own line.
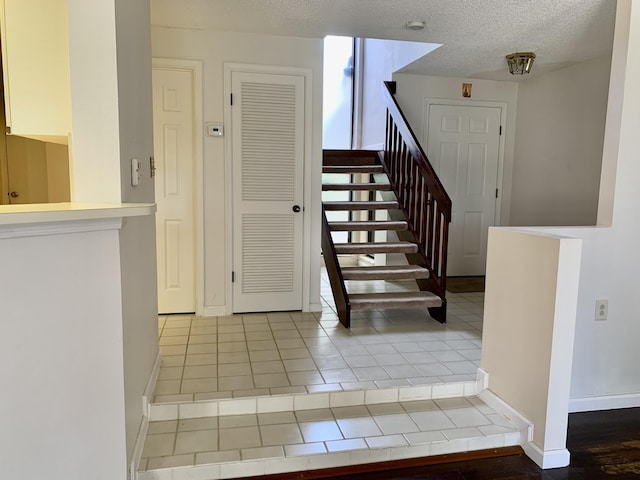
point(307, 73)
point(195, 68)
point(473, 103)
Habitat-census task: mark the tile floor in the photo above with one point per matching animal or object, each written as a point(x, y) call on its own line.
point(295, 352)
point(386, 430)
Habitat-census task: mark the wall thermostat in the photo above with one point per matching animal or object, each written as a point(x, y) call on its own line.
point(215, 129)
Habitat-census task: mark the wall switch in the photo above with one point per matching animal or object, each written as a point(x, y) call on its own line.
point(215, 129)
point(602, 309)
point(135, 172)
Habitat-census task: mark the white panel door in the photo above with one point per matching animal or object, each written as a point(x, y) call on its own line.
point(463, 145)
point(268, 155)
point(173, 132)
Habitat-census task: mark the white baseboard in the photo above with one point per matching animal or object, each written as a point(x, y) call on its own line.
point(151, 384)
point(144, 424)
point(544, 459)
point(137, 449)
point(606, 402)
point(214, 311)
point(503, 408)
point(315, 307)
point(482, 380)
point(548, 459)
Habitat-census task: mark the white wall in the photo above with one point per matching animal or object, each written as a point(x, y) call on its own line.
point(606, 354)
point(110, 58)
point(138, 234)
point(558, 145)
point(214, 48)
point(61, 410)
point(413, 89)
point(527, 337)
point(380, 58)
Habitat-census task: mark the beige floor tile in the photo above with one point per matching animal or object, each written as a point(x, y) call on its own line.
point(238, 438)
point(235, 383)
point(320, 431)
point(236, 421)
point(234, 369)
point(280, 434)
point(270, 380)
point(234, 357)
point(193, 424)
point(158, 445)
point(200, 371)
point(178, 340)
point(198, 339)
point(264, 355)
point(197, 441)
point(299, 365)
point(199, 385)
point(170, 373)
point(231, 347)
point(201, 359)
point(275, 366)
point(276, 418)
point(167, 387)
point(202, 348)
point(171, 461)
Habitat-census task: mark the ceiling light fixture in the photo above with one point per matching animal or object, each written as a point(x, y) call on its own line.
point(415, 25)
point(520, 62)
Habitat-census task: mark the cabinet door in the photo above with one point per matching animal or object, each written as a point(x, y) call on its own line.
point(35, 62)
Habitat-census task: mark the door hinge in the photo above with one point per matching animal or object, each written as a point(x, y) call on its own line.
point(496, 193)
point(233, 277)
point(152, 166)
point(500, 129)
point(231, 98)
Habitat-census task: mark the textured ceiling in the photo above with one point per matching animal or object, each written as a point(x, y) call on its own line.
point(476, 34)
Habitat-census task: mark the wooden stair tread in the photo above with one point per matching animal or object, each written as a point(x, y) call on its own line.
point(356, 186)
point(349, 157)
point(336, 205)
point(376, 247)
point(386, 272)
point(372, 301)
point(352, 169)
point(368, 225)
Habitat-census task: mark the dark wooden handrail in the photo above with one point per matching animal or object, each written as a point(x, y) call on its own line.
point(334, 273)
point(420, 192)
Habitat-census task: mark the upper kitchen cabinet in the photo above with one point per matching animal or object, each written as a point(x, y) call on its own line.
point(35, 63)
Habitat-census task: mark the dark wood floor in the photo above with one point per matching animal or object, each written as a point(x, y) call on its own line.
point(603, 445)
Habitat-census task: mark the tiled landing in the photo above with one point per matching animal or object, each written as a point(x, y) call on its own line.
point(231, 446)
point(279, 353)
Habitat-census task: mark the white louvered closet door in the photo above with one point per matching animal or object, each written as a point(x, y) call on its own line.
point(268, 157)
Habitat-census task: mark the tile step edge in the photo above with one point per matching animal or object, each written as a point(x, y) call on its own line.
point(307, 401)
point(287, 464)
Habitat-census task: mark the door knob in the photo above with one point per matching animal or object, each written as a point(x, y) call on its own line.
point(14, 194)
point(296, 208)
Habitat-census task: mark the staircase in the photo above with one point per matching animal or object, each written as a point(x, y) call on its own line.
point(363, 164)
point(401, 182)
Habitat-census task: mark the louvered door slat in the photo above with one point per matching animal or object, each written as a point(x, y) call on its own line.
point(268, 134)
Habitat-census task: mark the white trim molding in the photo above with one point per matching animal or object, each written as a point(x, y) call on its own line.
point(547, 459)
point(308, 166)
point(428, 102)
point(214, 311)
point(195, 68)
point(606, 402)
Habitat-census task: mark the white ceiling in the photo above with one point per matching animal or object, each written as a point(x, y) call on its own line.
point(476, 34)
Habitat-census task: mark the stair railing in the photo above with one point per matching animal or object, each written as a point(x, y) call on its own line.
point(420, 194)
point(340, 297)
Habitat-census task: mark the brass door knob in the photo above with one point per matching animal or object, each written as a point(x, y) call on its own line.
point(14, 194)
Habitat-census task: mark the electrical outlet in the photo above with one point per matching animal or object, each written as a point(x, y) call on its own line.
point(602, 309)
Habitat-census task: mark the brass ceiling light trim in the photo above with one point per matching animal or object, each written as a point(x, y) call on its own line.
point(415, 25)
point(520, 62)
